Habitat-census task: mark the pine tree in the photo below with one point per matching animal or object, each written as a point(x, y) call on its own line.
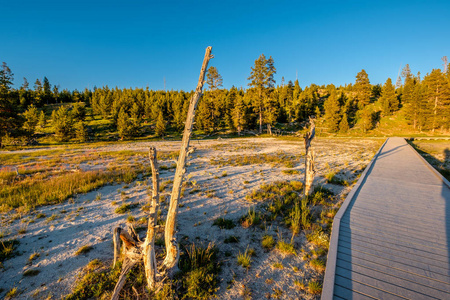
point(10, 120)
point(47, 91)
point(363, 89)
point(366, 119)
point(135, 120)
point(437, 94)
point(332, 110)
point(261, 79)
point(123, 124)
point(80, 132)
point(343, 125)
point(38, 95)
point(31, 116)
point(79, 111)
point(41, 122)
point(160, 125)
point(213, 79)
point(389, 101)
point(62, 124)
point(238, 114)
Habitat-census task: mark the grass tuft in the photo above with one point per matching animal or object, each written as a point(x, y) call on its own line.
point(83, 250)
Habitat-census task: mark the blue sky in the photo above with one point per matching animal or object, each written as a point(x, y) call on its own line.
point(79, 44)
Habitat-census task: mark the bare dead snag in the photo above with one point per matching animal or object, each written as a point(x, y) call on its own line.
point(309, 159)
point(172, 251)
point(148, 246)
point(133, 249)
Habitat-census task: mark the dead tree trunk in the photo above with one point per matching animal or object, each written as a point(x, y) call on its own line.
point(309, 159)
point(172, 251)
point(149, 244)
point(133, 249)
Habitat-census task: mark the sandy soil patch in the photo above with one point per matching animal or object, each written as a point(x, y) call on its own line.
point(213, 191)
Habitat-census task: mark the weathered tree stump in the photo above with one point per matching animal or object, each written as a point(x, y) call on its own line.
point(309, 159)
point(134, 250)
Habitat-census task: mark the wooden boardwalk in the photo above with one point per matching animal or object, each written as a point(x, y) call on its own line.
point(391, 237)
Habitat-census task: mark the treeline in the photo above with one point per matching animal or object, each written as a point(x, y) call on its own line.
point(425, 103)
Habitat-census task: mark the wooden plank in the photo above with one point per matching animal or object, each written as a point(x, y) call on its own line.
point(397, 239)
point(387, 287)
point(424, 270)
point(383, 244)
point(391, 251)
point(346, 260)
point(372, 219)
point(349, 289)
point(391, 233)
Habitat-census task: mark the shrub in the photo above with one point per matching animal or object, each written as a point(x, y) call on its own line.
point(285, 247)
point(314, 287)
point(251, 218)
point(244, 259)
point(267, 241)
point(200, 270)
point(7, 249)
point(223, 223)
point(124, 208)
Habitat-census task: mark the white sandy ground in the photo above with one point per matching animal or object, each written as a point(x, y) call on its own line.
point(85, 220)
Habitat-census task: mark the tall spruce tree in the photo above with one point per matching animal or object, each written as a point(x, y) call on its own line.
point(363, 89)
point(332, 109)
point(213, 79)
point(10, 121)
point(389, 101)
point(261, 79)
point(438, 98)
point(343, 125)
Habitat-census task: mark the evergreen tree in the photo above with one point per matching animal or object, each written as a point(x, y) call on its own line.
point(366, 119)
point(238, 114)
point(31, 116)
point(261, 79)
point(123, 124)
point(10, 121)
point(41, 122)
point(80, 132)
point(213, 79)
point(389, 101)
point(79, 111)
point(135, 120)
point(437, 94)
point(160, 125)
point(62, 124)
point(363, 89)
point(343, 125)
point(332, 110)
point(47, 91)
point(38, 95)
